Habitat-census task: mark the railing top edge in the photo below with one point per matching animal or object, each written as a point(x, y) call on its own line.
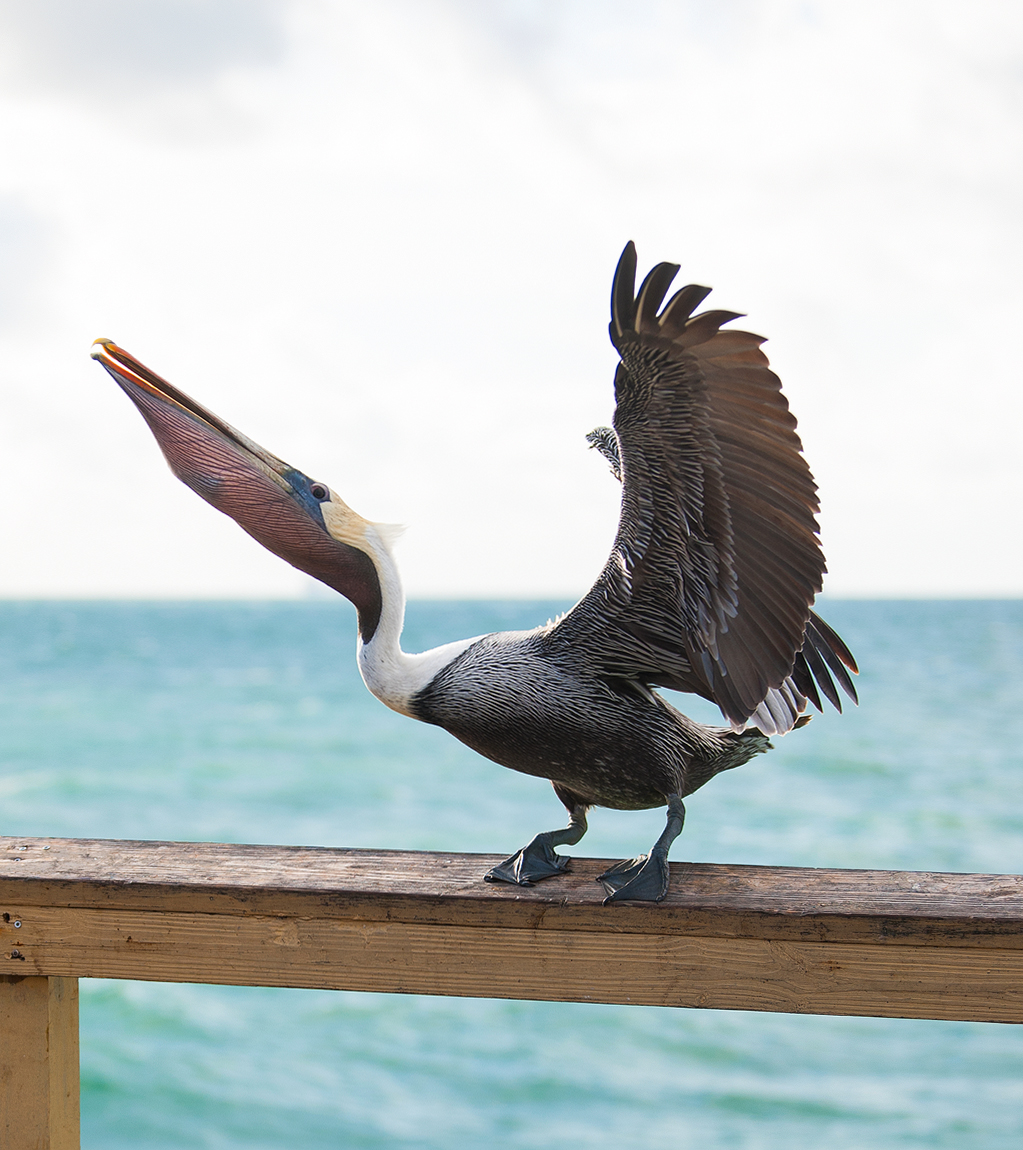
point(706, 898)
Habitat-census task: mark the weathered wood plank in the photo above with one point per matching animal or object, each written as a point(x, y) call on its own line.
point(909, 908)
point(39, 1094)
point(901, 944)
point(978, 984)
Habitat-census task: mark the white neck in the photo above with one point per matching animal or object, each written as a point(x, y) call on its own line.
point(391, 674)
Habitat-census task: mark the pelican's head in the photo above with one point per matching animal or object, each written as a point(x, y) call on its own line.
point(295, 517)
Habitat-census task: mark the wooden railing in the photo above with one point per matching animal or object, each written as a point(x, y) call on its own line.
point(890, 943)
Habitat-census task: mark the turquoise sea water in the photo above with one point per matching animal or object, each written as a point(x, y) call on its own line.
point(248, 722)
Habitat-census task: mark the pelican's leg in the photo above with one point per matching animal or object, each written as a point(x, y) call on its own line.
point(537, 859)
point(646, 878)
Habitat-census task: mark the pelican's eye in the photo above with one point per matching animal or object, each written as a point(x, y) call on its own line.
point(318, 491)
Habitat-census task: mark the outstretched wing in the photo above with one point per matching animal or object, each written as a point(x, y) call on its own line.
point(716, 562)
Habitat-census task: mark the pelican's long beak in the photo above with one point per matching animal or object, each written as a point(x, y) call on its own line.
point(277, 504)
point(164, 407)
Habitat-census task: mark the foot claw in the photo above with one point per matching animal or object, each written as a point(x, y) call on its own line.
point(644, 879)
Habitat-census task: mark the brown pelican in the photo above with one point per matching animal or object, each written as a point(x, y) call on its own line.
point(708, 587)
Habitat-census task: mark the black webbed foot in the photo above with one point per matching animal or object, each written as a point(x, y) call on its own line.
point(534, 862)
point(537, 859)
point(644, 879)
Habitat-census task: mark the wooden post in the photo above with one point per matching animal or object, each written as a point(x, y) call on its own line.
point(39, 1093)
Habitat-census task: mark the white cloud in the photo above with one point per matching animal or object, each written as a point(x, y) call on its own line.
point(111, 48)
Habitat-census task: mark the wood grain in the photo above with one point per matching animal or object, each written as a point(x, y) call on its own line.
point(979, 984)
point(902, 944)
point(39, 1107)
point(910, 908)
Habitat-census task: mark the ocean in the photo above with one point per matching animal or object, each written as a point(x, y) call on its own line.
point(247, 722)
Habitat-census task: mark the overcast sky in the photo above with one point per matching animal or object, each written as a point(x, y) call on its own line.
point(379, 239)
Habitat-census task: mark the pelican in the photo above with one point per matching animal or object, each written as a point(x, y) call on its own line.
point(708, 588)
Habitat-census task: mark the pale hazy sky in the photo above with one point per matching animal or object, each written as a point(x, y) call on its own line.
point(379, 239)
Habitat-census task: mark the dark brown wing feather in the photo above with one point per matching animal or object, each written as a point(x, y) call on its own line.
point(717, 561)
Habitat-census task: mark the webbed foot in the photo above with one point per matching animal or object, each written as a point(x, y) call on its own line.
point(534, 862)
point(644, 879)
point(537, 859)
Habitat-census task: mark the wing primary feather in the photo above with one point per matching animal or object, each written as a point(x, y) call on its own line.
point(832, 660)
point(834, 642)
point(804, 681)
point(652, 291)
point(820, 673)
point(704, 326)
point(681, 306)
point(623, 295)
